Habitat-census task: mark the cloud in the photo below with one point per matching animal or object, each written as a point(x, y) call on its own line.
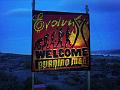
point(19, 12)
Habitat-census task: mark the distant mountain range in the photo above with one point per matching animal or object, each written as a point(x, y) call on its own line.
point(109, 52)
point(97, 52)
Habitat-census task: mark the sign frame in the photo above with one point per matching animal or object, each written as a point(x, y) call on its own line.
point(62, 13)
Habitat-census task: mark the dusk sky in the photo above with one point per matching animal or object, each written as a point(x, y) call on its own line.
point(16, 22)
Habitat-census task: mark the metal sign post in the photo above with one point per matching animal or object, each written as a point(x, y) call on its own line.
point(33, 76)
point(88, 72)
point(33, 4)
point(88, 80)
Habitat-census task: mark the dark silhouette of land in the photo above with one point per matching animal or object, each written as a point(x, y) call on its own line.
point(109, 52)
point(15, 74)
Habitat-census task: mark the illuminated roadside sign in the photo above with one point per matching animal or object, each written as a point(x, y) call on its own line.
point(60, 41)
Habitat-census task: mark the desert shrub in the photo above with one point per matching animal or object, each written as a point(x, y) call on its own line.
point(27, 64)
point(9, 82)
point(28, 83)
point(52, 87)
